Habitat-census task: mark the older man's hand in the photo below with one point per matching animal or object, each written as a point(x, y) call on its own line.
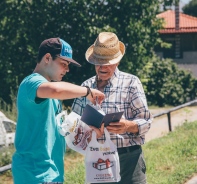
point(99, 131)
point(123, 126)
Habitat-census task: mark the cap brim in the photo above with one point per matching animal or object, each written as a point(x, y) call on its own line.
point(70, 60)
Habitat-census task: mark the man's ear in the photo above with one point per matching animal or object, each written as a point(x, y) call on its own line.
point(47, 57)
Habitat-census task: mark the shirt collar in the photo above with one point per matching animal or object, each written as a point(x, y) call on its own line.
point(115, 75)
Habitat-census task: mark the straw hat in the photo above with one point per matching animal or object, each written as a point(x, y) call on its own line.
point(106, 50)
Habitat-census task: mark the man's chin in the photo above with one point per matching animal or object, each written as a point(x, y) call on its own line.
point(103, 78)
point(56, 80)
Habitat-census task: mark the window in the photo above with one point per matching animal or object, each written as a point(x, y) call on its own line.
point(9, 126)
point(175, 51)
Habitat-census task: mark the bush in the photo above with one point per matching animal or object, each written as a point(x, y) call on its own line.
point(166, 84)
point(6, 155)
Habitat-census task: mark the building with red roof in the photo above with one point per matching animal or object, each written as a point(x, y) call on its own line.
point(180, 30)
point(187, 23)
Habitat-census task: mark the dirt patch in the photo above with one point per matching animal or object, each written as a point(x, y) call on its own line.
point(4, 179)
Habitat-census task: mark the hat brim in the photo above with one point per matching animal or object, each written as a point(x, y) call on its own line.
point(98, 61)
point(72, 61)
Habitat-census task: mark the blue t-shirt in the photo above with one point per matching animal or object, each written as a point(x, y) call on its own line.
point(39, 147)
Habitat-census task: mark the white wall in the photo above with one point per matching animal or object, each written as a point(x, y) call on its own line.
point(189, 67)
point(188, 57)
point(188, 62)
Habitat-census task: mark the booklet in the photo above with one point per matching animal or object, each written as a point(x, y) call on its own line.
point(92, 116)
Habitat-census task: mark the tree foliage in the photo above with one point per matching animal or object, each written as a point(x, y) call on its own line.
point(191, 8)
point(24, 24)
point(167, 84)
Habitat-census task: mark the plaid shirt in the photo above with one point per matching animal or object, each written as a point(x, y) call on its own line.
point(124, 92)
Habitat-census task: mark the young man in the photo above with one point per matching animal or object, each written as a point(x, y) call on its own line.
point(40, 148)
point(123, 92)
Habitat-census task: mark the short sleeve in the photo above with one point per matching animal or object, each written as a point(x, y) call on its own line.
point(32, 84)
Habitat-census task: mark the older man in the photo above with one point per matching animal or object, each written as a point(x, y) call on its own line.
point(123, 92)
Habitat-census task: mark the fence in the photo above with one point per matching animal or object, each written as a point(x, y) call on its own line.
point(8, 167)
point(172, 110)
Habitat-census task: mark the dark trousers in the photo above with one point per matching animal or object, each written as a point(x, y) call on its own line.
point(132, 166)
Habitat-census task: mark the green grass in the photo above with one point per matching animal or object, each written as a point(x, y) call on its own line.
point(171, 159)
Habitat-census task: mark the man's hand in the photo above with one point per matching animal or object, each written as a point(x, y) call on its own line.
point(123, 126)
point(96, 95)
point(99, 131)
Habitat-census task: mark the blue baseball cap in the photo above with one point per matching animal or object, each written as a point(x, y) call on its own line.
point(57, 47)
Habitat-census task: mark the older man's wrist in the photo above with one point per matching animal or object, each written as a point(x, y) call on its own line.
point(132, 127)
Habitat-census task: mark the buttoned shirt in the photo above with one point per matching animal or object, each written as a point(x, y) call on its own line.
point(124, 92)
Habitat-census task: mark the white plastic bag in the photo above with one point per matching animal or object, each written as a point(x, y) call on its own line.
point(102, 161)
point(76, 132)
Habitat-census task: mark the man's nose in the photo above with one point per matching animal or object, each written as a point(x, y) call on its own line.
point(103, 66)
point(67, 68)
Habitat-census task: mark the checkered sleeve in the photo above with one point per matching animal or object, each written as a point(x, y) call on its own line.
point(80, 103)
point(77, 106)
point(138, 104)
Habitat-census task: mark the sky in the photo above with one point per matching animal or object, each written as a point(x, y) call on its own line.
point(183, 3)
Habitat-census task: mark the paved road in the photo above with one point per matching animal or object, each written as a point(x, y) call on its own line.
point(192, 181)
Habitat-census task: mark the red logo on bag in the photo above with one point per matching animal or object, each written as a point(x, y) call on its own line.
point(102, 164)
point(78, 137)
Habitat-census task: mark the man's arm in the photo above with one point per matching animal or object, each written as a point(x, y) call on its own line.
point(65, 90)
point(141, 121)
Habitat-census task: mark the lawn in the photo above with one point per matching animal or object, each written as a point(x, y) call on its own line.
point(171, 159)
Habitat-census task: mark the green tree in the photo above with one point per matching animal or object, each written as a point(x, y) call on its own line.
point(191, 8)
point(25, 23)
point(166, 84)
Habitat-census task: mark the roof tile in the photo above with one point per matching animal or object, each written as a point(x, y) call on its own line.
point(187, 24)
